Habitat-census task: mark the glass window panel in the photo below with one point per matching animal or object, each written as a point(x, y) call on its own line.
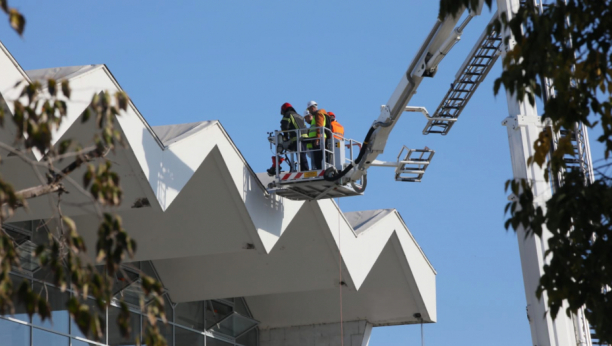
point(234, 325)
point(166, 332)
point(123, 279)
point(131, 294)
point(40, 235)
point(76, 342)
point(40, 232)
point(188, 337)
point(13, 333)
point(101, 269)
point(21, 233)
point(168, 308)
point(190, 315)
point(241, 307)
point(28, 263)
point(216, 312)
point(216, 342)
point(59, 313)
point(148, 269)
point(114, 334)
point(74, 328)
point(25, 225)
point(44, 274)
point(20, 310)
point(128, 286)
point(250, 338)
point(135, 265)
point(43, 338)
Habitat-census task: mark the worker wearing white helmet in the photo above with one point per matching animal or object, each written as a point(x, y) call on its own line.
point(321, 121)
point(309, 120)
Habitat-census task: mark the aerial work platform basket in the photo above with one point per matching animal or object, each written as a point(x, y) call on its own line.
point(335, 154)
point(331, 157)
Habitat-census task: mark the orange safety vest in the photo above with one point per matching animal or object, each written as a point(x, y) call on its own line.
point(337, 128)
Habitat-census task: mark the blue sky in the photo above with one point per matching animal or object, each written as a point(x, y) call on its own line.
point(238, 61)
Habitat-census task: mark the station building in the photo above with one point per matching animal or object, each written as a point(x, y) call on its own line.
point(239, 266)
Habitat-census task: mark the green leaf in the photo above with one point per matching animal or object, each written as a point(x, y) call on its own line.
point(64, 146)
point(122, 100)
point(69, 223)
point(86, 115)
point(66, 88)
point(17, 21)
point(52, 86)
point(4, 6)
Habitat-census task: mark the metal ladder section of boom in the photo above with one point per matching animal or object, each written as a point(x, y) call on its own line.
point(471, 73)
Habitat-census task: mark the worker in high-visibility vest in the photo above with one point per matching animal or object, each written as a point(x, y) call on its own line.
point(321, 122)
point(337, 129)
point(312, 132)
point(292, 121)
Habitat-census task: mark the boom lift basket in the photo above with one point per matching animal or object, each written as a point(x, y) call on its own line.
point(336, 154)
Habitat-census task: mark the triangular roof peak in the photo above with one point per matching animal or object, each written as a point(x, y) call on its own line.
point(67, 72)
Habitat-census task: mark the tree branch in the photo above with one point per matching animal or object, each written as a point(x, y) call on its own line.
point(54, 184)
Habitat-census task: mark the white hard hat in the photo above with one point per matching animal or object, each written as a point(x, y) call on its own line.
point(311, 103)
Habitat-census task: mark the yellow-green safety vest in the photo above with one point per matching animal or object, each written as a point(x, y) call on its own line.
point(291, 120)
point(312, 133)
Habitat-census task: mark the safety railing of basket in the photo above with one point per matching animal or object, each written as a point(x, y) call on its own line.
point(294, 163)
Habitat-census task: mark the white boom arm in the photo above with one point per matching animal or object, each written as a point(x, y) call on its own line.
point(438, 43)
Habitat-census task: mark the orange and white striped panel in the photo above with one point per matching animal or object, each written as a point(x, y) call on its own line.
point(302, 175)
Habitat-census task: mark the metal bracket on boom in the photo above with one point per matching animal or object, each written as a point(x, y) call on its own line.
point(426, 114)
point(410, 165)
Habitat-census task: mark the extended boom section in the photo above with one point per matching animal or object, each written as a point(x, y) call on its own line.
point(472, 72)
point(442, 37)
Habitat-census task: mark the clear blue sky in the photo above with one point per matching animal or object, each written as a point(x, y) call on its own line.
point(238, 61)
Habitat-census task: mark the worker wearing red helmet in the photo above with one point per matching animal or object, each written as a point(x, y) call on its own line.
point(293, 121)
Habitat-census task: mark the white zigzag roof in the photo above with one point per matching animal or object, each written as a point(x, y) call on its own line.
point(212, 230)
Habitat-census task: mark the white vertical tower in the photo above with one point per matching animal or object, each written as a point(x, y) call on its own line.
point(524, 125)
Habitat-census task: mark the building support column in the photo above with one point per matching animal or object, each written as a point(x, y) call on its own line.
point(356, 333)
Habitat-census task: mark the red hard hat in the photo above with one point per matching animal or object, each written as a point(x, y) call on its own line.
point(285, 106)
point(331, 114)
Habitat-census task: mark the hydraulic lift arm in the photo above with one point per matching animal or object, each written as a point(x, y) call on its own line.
point(438, 43)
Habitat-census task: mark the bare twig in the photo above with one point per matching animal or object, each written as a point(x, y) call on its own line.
point(54, 185)
point(70, 154)
point(25, 159)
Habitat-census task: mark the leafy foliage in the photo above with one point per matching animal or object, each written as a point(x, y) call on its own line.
point(38, 112)
point(568, 44)
point(16, 19)
point(455, 7)
point(578, 219)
